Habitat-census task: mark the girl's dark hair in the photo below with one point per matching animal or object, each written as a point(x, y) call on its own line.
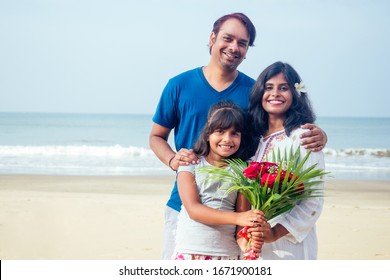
point(224, 115)
point(299, 113)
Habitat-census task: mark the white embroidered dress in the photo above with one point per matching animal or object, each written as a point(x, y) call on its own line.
point(301, 241)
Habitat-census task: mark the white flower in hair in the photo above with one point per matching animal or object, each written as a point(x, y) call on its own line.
point(300, 87)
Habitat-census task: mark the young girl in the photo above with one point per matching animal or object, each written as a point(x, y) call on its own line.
point(279, 105)
point(206, 228)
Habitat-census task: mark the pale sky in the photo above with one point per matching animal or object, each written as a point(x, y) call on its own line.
point(115, 56)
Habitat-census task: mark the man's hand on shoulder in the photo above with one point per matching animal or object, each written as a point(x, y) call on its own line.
point(315, 139)
point(183, 157)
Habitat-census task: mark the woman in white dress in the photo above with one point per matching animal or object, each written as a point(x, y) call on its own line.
point(279, 105)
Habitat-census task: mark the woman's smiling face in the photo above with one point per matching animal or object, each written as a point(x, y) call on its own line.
point(277, 97)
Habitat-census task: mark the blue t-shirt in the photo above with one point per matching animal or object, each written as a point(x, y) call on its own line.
point(184, 105)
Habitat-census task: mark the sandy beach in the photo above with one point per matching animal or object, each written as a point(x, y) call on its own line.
point(121, 218)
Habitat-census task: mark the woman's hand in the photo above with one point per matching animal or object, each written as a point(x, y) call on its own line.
point(259, 233)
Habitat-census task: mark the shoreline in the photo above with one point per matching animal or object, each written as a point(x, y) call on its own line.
point(121, 218)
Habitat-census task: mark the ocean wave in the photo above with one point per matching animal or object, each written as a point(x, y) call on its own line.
point(82, 150)
point(118, 150)
point(384, 153)
point(356, 167)
point(131, 160)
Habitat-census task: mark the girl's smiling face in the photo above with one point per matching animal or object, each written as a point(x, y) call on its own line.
point(223, 143)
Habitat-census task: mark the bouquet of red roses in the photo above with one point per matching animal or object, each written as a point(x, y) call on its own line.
point(273, 187)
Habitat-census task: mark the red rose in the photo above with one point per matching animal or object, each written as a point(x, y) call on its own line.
point(271, 179)
point(268, 167)
point(283, 175)
point(253, 170)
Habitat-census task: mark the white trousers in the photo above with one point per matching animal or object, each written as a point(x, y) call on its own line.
point(170, 225)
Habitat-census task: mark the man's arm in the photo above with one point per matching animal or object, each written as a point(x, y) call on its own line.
point(315, 139)
point(158, 142)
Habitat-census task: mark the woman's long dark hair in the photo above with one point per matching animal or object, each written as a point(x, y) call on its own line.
point(299, 113)
point(224, 115)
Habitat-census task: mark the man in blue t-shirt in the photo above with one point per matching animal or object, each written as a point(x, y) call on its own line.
point(186, 99)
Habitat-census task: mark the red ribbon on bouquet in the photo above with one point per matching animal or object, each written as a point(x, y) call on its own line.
point(249, 254)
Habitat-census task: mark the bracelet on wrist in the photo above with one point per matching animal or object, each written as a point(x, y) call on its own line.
point(169, 162)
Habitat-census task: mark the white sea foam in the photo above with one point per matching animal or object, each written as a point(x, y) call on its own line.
point(84, 150)
point(119, 160)
point(79, 160)
point(357, 152)
point(117, 150)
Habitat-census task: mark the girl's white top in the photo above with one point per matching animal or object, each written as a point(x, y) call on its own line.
point(193, 237)
point(301, 242)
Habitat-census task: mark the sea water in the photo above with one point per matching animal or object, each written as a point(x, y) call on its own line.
point(113, 144)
